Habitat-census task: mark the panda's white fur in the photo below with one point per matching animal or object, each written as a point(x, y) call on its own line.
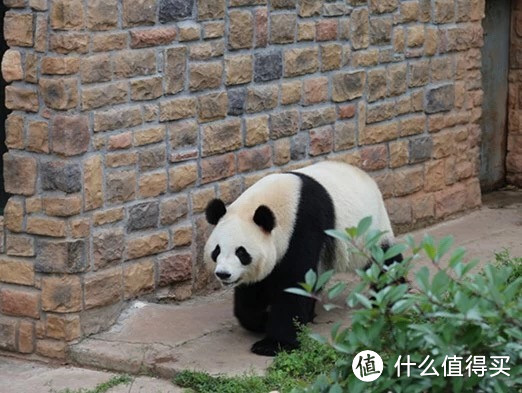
point(354, 193)
point(274, 232)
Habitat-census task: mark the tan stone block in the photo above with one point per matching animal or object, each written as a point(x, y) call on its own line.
point(158, 36)
point(51, 349)
point(399, 210)
point(282, 28)
point(205, 75)
point(149, 136)
point(155, 243)
point(214, 29)
point(23, 99)
point(201, 198)
point(326, 29)
point(182, 236)
point(450, 200)
point(257, 130)
point(46, 226)
point(374, 157)
point(309, 8)
point(40, 33)
point(360, 25)
point(261, 98)
point(415, 36)
point(120, 141)
point(238, 69)
point(152, 185)
point(331, 57)
point(38, 137)
point(18, 29)
point(315, 90)
point(282, 151)
point(216, 168)
point(102, 14)
point(443, 11)
point(412, 125)
point(398, 154)
point(182, 176)
point(291, 92)
point(306, 31)
point(139, 12)
point(146, 89)
point(14, 128)
point(348, 85)
point(177, 108)
point(212, 106)
point(62, 206)
point(12, 66)
point(92, 180)
point(380, 132)
point(189, 31)
point(33, 205)
point(67, 15)
point(19, 174)
point(221, 137)
point(423, 206)
point(254, 159)
point(344, 135)
point(16, 271)
point(109, 41)
point(65, 43)
point(107, 94)
point(20, 302)
point(62, 327)
point(241, 29)
point(14, 215)
point(60, 94)
point(129, 63)
point(301, 61)
point(26, 337)
point(80, 227)
point(103, 288)
point(108, 216)
point(138, 278)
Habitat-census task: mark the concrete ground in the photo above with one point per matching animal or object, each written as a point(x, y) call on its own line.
point(158, 339)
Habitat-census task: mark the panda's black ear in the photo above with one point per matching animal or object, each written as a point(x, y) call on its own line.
point(264, 217)
point(215, 210)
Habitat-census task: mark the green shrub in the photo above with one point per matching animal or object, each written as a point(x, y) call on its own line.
point(452, 312)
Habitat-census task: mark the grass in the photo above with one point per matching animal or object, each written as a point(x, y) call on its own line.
point(104, 386)
point(292, 369)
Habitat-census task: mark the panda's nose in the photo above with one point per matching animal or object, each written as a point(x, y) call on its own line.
point(223, 275)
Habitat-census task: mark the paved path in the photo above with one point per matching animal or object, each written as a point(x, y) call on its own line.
point(202, 334)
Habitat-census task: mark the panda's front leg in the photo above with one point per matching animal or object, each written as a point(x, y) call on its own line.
point(285, 312)
point(250, 307)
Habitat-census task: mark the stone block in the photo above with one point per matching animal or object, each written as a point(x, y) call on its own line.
point(19, 174)
point(108, 247)
point(221, 137)
point(142, 246)
point(182, 176)
point(60, 94)
point(138, 278)
point(241, 29)
point(61, 293)
point(301, 61)
point(103, 288)
point(174, 10)
point(217, 168)
point(61, 256)
point(20, 302)
point(70, 135)
point(174, 268)
point(16, 271)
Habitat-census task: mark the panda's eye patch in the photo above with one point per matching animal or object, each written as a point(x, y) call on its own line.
point(243, 255)
point(215, 253)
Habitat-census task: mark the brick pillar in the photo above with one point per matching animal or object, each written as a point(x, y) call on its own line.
point(514, 148)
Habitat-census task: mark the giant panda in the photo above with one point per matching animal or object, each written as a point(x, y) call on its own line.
point(274, 233)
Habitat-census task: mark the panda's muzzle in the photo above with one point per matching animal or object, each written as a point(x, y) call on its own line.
point(223, 276)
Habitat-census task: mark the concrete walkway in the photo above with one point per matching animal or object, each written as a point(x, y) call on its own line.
point(202, 334)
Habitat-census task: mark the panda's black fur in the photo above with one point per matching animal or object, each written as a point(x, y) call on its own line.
point(263, 306)
point(315, 214)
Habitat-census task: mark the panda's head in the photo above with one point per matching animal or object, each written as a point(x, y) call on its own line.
point(241, 246)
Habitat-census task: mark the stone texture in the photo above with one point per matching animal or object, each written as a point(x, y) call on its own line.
point(221, 137)
point(143, 216)
point(348, 85)
point(70, 135)
point(261, 98)
point(236, 102)
point(241, 29)
point(205, 75)
point(284, 123)
point(213, 106)
point(138, 278)
point(103, 288)
point(173, 10)
point(152, 37)
point(61, 257)
point(182, 176)
point(174, 268)
point(92, 180)
point(108, 247)
point(18, 29)
point(20, 303)
point(301, 61)
point(120, 186)
point(238, 69)
point(268, 66)
point(61, 293)
point(12, 66)
point(440, 99)
point(282, 28)
point(19, 98)
point(19, 174)
point(254, 159)
point(139, 12)
point(16, 271)
point(147, 245)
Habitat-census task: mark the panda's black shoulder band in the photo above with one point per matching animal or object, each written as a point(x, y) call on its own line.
point(215, 210)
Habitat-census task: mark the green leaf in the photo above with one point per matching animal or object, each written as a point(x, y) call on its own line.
point(310, 278)
point(444, 246)
point(364, 225)
point(422, 278)
point(298, 291)
point(457, 256)
point(335, 389)
point(394, 250)
point(317, 337)
point(330, 306)
point(364, 300)
point(323, 279)
point(336, 290)
point(338, 235)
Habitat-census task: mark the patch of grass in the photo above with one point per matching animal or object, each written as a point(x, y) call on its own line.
point(504, 259)
point(289, 370)
point(104, 386)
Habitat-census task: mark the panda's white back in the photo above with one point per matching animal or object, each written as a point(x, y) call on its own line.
point(355, 195)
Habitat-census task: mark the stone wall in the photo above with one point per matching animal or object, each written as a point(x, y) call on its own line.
point(514, 153)
point(128, 116)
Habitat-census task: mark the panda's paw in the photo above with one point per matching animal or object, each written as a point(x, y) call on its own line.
point(270, 347)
